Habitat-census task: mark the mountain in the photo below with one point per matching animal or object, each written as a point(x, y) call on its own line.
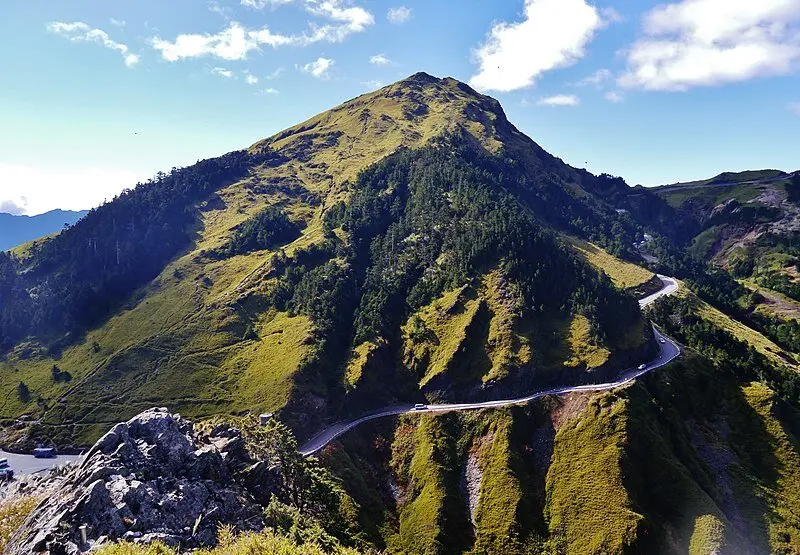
point(15, 230)
point(410, 220)
point(408, 246)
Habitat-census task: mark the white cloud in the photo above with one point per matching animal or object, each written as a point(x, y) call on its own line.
point(372, 85)
point(553, 34)
point(249, 78)
point(614, 96)
point(236, 41)
point(319, 68)
point(222, 72)
point(795, 107)
point(81, 32)
point(34, 190)
point(597, 78)
point(275, 74)
point(269, 90)
point(348, 21)
point(223, 11)
point(710, 42)
point(379, 60)
point(559, 100)
point(398, 15)
point(118, 22)
point(261, 4)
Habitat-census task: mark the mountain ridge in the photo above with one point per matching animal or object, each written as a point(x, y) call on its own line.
point(18, 229)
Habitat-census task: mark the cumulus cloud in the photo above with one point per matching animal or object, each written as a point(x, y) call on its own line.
point(233, 43)
point(347, 21)
point(553, 34)
point(35, 190)
point(250, 79)
point(559, 100)
point(319, 68)
point(379, 60)
point(710, 42)
point(222, 72)
point(398, 15)
point(81, 32)
point(597, 78)
point(236, 42)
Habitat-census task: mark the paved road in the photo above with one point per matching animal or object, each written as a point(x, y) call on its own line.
point(28, 464)
point(669, 286)
point(668, 351)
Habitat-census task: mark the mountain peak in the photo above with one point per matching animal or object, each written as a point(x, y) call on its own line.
point(410, 113)
point(422, 78)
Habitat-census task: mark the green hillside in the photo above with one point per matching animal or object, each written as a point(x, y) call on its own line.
point(289, 277)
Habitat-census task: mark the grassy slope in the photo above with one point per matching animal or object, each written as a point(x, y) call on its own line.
point(732, 177)
point(500, 514)
point(474, 335)
point(588, 508)
point(777, 304)
point(625, 275)
point(423, 460)
point(762, 344)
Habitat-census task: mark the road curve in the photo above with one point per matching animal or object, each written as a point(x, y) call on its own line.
point(668, 351)
point(669, 286)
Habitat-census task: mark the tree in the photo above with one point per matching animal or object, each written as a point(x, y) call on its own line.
point(23, 392)
point(793, 189)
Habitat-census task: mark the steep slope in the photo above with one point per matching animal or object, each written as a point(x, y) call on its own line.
point(291, 275)
point(689, 460)
point(16, 230)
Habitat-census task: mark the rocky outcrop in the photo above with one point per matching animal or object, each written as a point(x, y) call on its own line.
point(153, 477)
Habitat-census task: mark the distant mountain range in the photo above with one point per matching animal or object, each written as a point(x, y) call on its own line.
point(15, 230)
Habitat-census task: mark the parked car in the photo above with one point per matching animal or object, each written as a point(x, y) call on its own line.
point(45, 452)
point(642, 367)
point(420, 406)
point(6, 473)
point(662, 340)
point(3, 463)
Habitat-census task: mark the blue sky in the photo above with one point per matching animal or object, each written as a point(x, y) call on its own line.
point(96, 95)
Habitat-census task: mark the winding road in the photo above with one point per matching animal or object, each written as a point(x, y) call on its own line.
point(668, 351)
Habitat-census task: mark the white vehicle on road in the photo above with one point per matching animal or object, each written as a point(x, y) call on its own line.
point(642, 367)
point(420, 406)
point(662, 340)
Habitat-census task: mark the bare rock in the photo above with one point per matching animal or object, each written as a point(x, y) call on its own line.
point(149, 478)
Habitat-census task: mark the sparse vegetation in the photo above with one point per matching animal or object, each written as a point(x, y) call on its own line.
point(13, 513)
